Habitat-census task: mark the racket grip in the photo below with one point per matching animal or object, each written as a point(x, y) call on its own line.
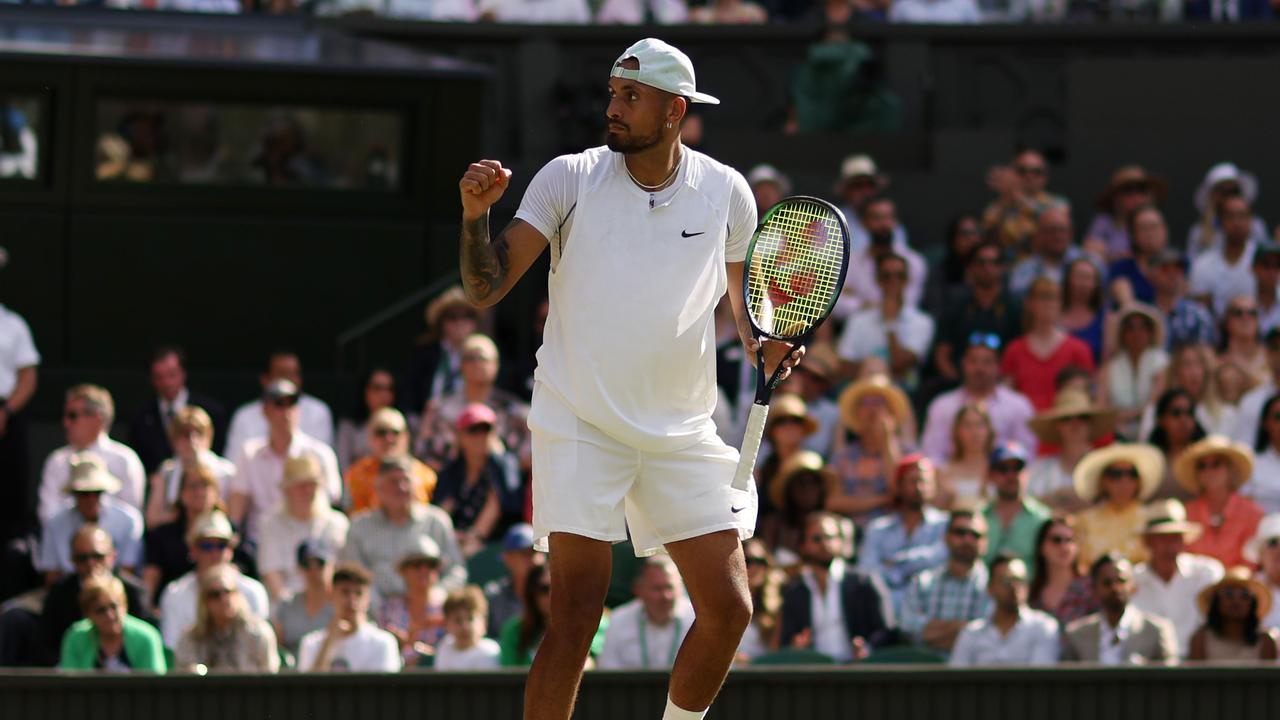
point(750, 446)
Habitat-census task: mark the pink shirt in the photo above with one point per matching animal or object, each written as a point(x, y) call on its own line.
point(1239, 522)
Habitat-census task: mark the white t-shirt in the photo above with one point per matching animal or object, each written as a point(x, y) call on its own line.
point(635, 277)
point(867, 334)
point(1212, 275)
point(248, 423)
point(279, 540)
point(481, 656)
point(179, 600)
point(1175, 601)
point(634, 643)
point(368, 649)
point(17, 349)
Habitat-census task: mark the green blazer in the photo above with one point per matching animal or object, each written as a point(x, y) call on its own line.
point(142, 646)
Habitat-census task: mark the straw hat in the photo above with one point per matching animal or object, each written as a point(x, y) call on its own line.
point(301, 469)
point(1169, 517)
point(1129, 175)
point(213, 524)
point(1238, 454)
point(820, 361)
point(1239, 577)
point(451, 298)
point(790, 405)
point(1226, 172)
point(1116, 321)
point(860, 166)
point(1147, 459)
point(88, 475)
point(874, 385)
point(802, 461)
point(1267, 529)
point(1072, 403)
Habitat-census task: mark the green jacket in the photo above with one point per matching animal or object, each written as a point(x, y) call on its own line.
point(142, 646)
point(509, 639)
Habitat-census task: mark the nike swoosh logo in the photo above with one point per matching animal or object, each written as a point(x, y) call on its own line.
point(687, 234)
point(735, 510)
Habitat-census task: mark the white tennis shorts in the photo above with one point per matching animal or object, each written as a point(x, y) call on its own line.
point(590, 484)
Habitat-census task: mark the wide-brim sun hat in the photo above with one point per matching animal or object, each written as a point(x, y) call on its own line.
point(1072, 403)
point(1130, 175)
point(454, 297)
point(1237, 454)
point(1226, 172)
point(879, 385)
point(1146, 459)
point(804, 461)
point(1237, 577)
point(1128, 310)
point(790, 405)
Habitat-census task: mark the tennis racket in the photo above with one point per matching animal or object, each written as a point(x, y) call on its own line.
point(792, 277)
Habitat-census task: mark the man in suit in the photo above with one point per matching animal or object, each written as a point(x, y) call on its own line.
point(831, 607)
point(149, 429)
point(1120, 634)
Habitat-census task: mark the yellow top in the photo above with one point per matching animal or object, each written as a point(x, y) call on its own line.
point(1104, 529)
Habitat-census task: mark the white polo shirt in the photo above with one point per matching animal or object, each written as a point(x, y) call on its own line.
point(259, 471)
point(1175, 600)
point(629, 343)
point(632, 642)
point(120, 459)
point(17, 349)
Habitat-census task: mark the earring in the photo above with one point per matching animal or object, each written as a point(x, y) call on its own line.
point(669, 125)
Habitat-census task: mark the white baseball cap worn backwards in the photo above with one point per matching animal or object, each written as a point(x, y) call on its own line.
point(664, 67)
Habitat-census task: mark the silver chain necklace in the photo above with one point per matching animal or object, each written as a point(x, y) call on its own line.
point(659, 186)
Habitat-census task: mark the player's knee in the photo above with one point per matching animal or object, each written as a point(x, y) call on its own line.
point(577, 618)
point(730, 612)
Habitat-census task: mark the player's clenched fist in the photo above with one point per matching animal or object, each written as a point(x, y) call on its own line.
point(481, 186)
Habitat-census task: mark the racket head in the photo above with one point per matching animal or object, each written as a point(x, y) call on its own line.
point(795, 267)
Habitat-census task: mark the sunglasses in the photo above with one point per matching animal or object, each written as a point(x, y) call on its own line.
point(285, 402)
point(313, 563)
point(1243, 312)
point(212, 545)
point(1061, 539)
point(985, 339)
point(420, 563)
point(757, 561)
point(1007, 468)
point(887, 276)
point(382, 387)
point(479, 429)
point(1113, 473)
point(1211, 463)
point(789, 420)
point(72, 415)
point(1029, 169)
point(80, 558)
point(1075, 418)
point(386, 432)
point(1233, 592)
point(218, 593)
point(1178, 412)
point(966, 533)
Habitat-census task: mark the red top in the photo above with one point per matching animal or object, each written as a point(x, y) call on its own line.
point(1224, 539)
point(1033, 375)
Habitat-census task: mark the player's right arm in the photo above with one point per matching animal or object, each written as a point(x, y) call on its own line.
point(491, 267)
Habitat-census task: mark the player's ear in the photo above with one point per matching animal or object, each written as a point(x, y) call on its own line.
point(676, 112)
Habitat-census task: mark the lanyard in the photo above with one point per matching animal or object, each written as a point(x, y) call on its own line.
point(644, 641)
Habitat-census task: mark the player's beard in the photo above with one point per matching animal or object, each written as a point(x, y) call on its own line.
point(632, 143)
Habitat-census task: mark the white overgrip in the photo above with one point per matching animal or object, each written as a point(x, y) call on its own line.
point(750, 446)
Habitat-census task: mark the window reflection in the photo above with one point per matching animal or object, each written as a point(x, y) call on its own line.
point(20, 136)
point(254, 145)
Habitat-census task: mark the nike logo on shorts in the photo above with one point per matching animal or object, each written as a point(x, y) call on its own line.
point(735, 510)
point(687, 234)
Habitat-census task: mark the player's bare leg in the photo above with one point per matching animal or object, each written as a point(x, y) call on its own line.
point(715, 575)
point(580, 570)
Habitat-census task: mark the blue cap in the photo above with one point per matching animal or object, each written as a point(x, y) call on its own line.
point(1008, 451)
point(519, 537)
point(316, 548)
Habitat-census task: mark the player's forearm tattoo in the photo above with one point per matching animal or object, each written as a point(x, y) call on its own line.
point(484, 264)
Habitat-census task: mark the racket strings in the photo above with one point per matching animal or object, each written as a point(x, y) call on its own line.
point(795, 268)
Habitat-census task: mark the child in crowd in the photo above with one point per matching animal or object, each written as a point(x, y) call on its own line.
point(465, 647)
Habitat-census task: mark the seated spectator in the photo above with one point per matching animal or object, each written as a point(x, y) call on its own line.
point(255, 491)
point(1264, 487)
point(1131, 276)
point(227, 636)
point(638, 12)
point(350, 643)
point(311, 608)
point(908, 540)
point(86, 417)
point(1176, 429)
point(1266, 280)
point(1233, 632)
point(1213, 471)
point(379, 538)
point(416, 618)
point(1243, 342)
point(875, 411)
point(1057, 586)
point(1084, 313)
point(304, 514)
point(1032, 362)
point(1136, 339)
point(1188, 321)
point(834, 609)
point(108, 639)
point(935, 12)
point(523, 633)
point(378, 391)
point(894, 331)
point(1021, 197)
point(437, 441)
point(1072, 425)
point(1226, 271)
point(786, 428)
point(879, 215)
point(150, 431)
point(646, 633)
point(941, 601)
point(804, 485)
point(1171, 578)
point(962, 481)
point(1051, 250)
point(811, 380)
point(93, 490)
point(1130, 188)
point(763, 635)
point(1263, 550)
point(191, 436)
point(481, 488)
point(1191, 368)
point(1222, 181)
point(465, 646)
point(435, 365)
point(1014, 634)
point(1119, 633)
point(502, 596)
point(1115, 481)
point(211, 542)
point(251, 420)
point(1013, 519)
point(1249, 410)
point(388, 437)
point(768, 185)
point(1009, 410)
point(985, 309)
point(860, 180)
point(93, 554)
point(963, 235)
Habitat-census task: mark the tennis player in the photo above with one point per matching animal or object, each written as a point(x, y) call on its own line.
point(646, 236)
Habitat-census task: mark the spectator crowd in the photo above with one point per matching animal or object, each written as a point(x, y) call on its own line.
point(1034, 446)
